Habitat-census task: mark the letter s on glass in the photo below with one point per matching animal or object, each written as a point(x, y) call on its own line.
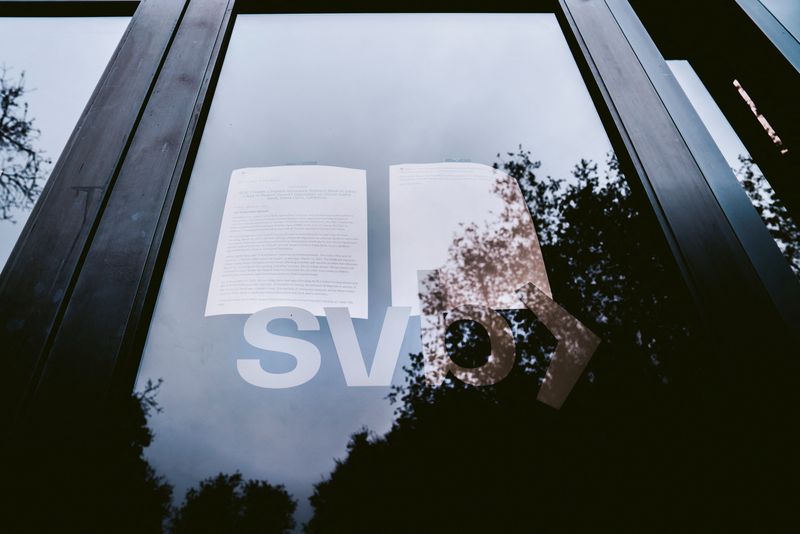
point(306, 353)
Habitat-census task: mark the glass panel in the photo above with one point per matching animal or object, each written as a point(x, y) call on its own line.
point(461, 431)
point(774, 214)
point(50, 67)
point(787, 12)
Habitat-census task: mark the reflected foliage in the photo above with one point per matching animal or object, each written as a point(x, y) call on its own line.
point(654, 437)
point(658, 434)
point(22, 165)
point(226, 503)
point(88, 477)
point(487, 263)
point(94, 478)
point(781, 226)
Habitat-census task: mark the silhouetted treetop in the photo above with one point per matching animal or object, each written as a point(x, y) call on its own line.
point(229, 504)
point(22, 165)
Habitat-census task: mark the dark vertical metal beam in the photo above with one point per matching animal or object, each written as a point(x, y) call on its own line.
point(39, 276)
point(763, 253)
point(105, 312)
point(723, 45)
point(724, 283)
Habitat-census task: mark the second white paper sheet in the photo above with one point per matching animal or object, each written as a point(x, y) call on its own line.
point(471, 222)
point(293, 235)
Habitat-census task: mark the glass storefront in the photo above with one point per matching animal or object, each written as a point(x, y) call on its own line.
point(400, 272)
point(344, 159)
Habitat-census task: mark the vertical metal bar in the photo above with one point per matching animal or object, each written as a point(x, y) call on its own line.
point(769, 263)
point(40, 274)
point(718, 271)
point(106, 307)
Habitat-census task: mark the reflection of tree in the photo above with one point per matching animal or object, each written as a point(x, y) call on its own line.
point(648, 440)
point(88, 478)
point(605, 258)
point(484, 258)
point(95, 478)
point(226, 503)
point(776, 217)
point(22, 166)
point(493, 264)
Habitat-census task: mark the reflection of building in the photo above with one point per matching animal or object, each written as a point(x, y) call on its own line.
point(79, 292)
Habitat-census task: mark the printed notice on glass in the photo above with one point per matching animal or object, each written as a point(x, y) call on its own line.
point(468, 221)
point(293, 235)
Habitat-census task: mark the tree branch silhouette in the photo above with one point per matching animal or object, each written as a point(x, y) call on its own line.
point(23, 167)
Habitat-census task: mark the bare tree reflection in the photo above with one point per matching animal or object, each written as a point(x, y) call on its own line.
point(22, 166)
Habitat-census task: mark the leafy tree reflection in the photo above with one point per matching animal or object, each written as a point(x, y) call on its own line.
point(96, 479)
point(226, 503)
point(87, 477)
point(650, 438)
point(781, 226)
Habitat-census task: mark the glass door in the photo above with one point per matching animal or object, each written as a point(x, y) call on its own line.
point(411, 289)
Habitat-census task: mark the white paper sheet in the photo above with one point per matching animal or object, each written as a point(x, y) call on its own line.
point(431, 208)
point(293, 235)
